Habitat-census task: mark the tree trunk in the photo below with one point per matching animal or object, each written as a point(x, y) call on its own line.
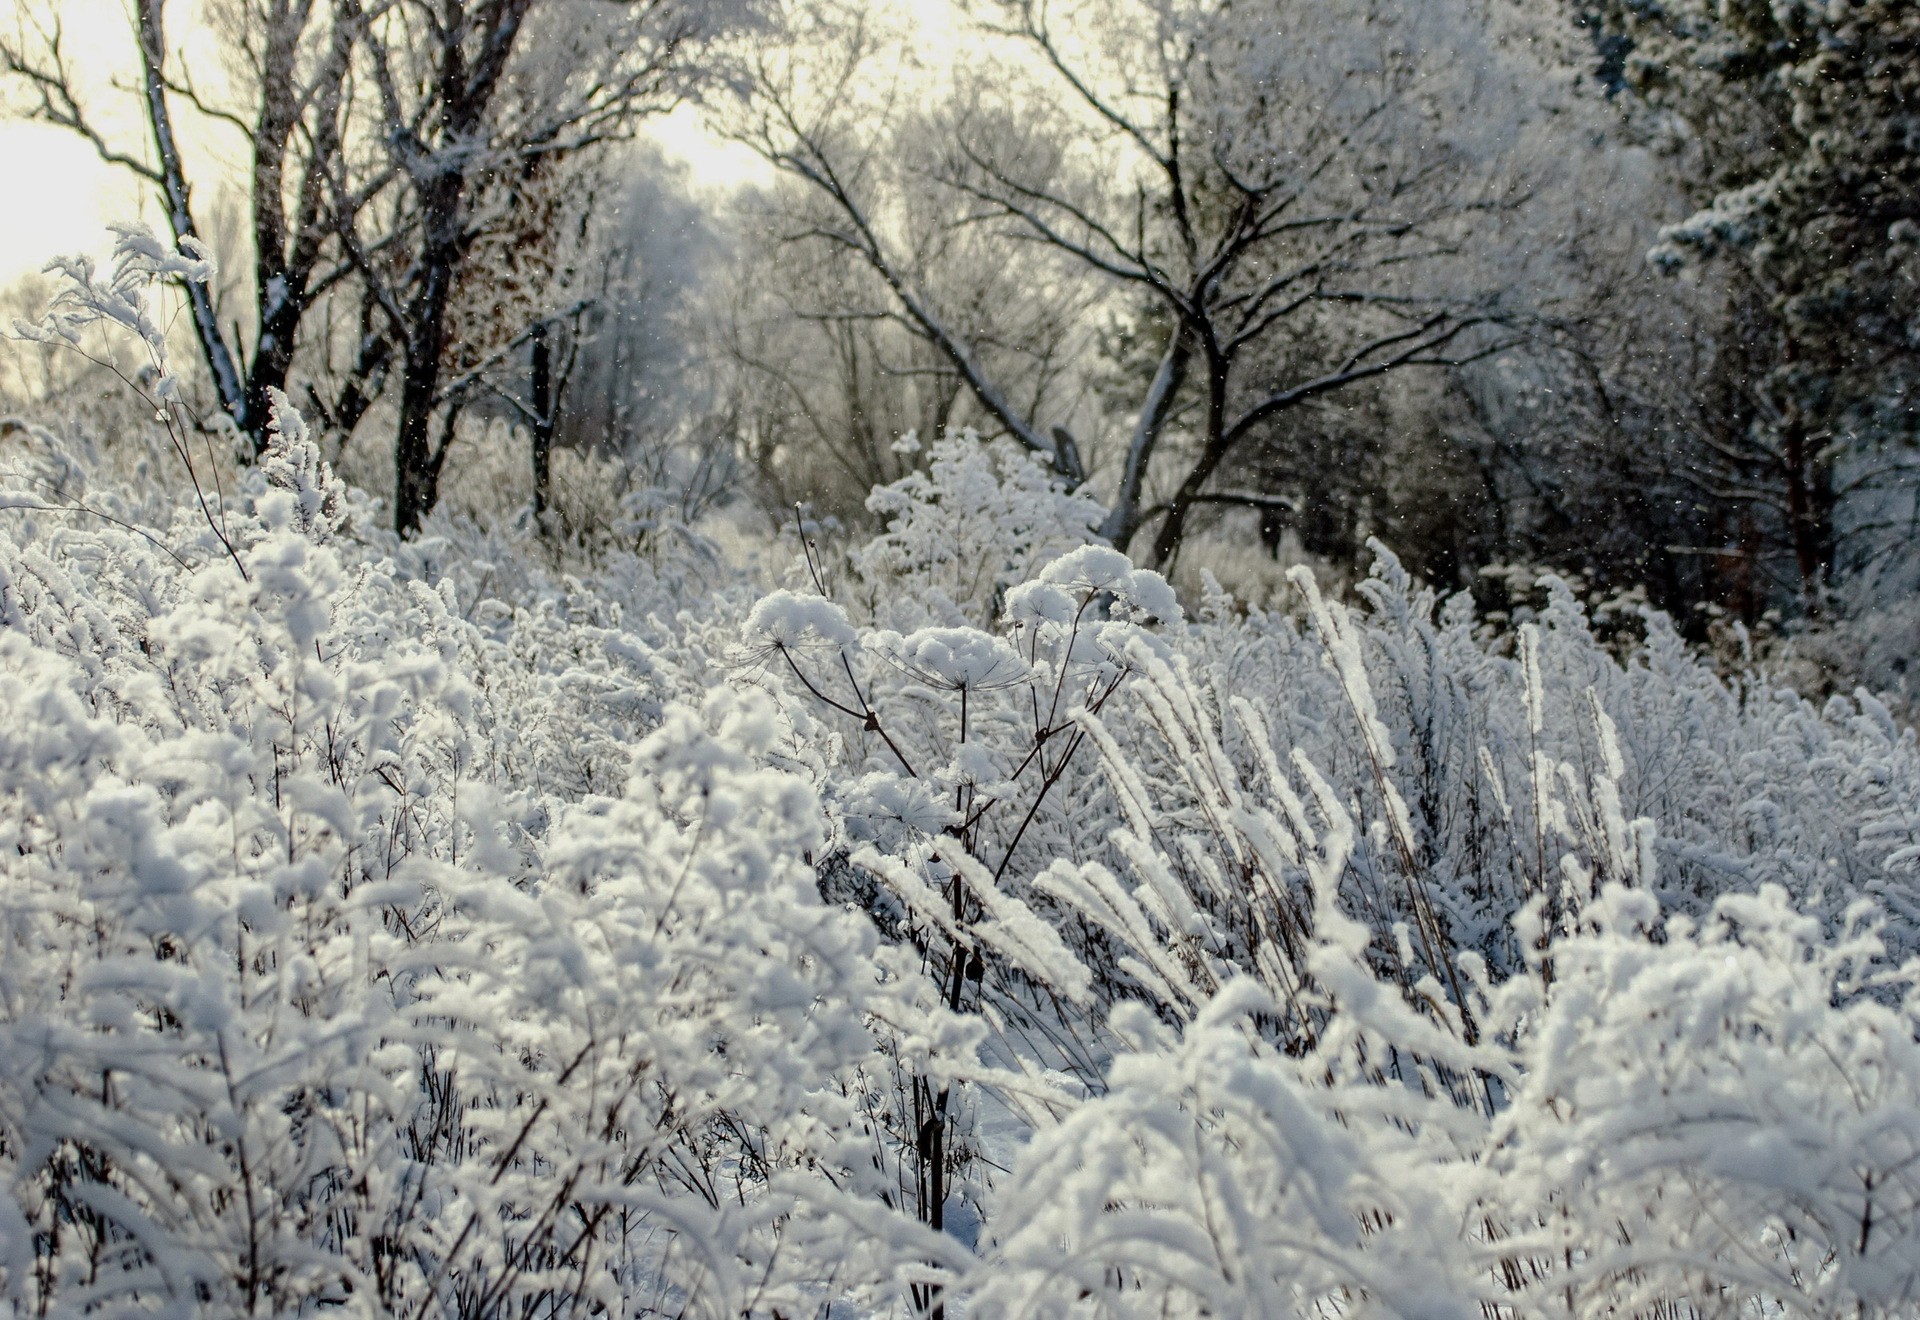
point(178, 197)
point(1124, 520)
point(542, 418)
point(416, 475)
point(1809, 514)
point(287, 250)
point(272, 362)
point(1174, 526)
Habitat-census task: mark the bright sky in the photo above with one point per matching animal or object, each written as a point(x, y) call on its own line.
point(63, 196)
point(69, 195)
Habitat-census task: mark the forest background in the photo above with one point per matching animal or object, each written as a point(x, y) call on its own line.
point(1626, 292)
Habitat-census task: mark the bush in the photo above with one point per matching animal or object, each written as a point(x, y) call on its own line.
point(391, 933)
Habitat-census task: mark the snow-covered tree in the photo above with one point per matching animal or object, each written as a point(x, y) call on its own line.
point(1279, 207)
point(1800, 120)
point(427, 167)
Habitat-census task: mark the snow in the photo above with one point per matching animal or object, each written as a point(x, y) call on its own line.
point(410, 929)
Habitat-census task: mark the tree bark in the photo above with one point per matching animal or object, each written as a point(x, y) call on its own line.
point(178, 196)
point(542, 418)
point(287, 249)
point(463, 92)
point(1809, 514)
point(1124, 519)
point(1173, 527)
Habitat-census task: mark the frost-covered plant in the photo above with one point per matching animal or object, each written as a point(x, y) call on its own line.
point(940, 829)
point(1347, 848)
point(1219, 1177)
point(323, 986)
point(1725, 1111)
point(125, 300)
point(1720, 1118)
point(980, 518)
point(441, 929)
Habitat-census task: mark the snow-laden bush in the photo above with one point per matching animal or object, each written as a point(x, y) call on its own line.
point(323, 987)
point(982, 517)
point(358, 953)
point(1708, 1119)
point(1311, 909)
point(429, 929)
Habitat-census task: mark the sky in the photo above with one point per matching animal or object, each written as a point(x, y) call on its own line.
point(65, 196)
point(72, 194)
point(68, 194)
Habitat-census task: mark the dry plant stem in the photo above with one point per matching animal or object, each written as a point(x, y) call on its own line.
point(1426, 920)
point(169, 419)
point(965, 967)
point(141, 532)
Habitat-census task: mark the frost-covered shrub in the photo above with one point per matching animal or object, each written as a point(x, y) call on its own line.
point(980, 518)
point(366, 948)
point(1711, 1119)
point(320, 990)
point(1349, 845)
point(1215, 1177)
point(451, 928)
point(1725, 1111)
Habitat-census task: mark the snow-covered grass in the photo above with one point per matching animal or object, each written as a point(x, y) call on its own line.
point(958, 921)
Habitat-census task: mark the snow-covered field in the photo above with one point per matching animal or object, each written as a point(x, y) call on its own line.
point(954, 921)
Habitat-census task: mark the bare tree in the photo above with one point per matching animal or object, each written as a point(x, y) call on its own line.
point(291, 104)
point(390, 139)
point(480, 107)
point(1225, 164)
point(835, 375)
